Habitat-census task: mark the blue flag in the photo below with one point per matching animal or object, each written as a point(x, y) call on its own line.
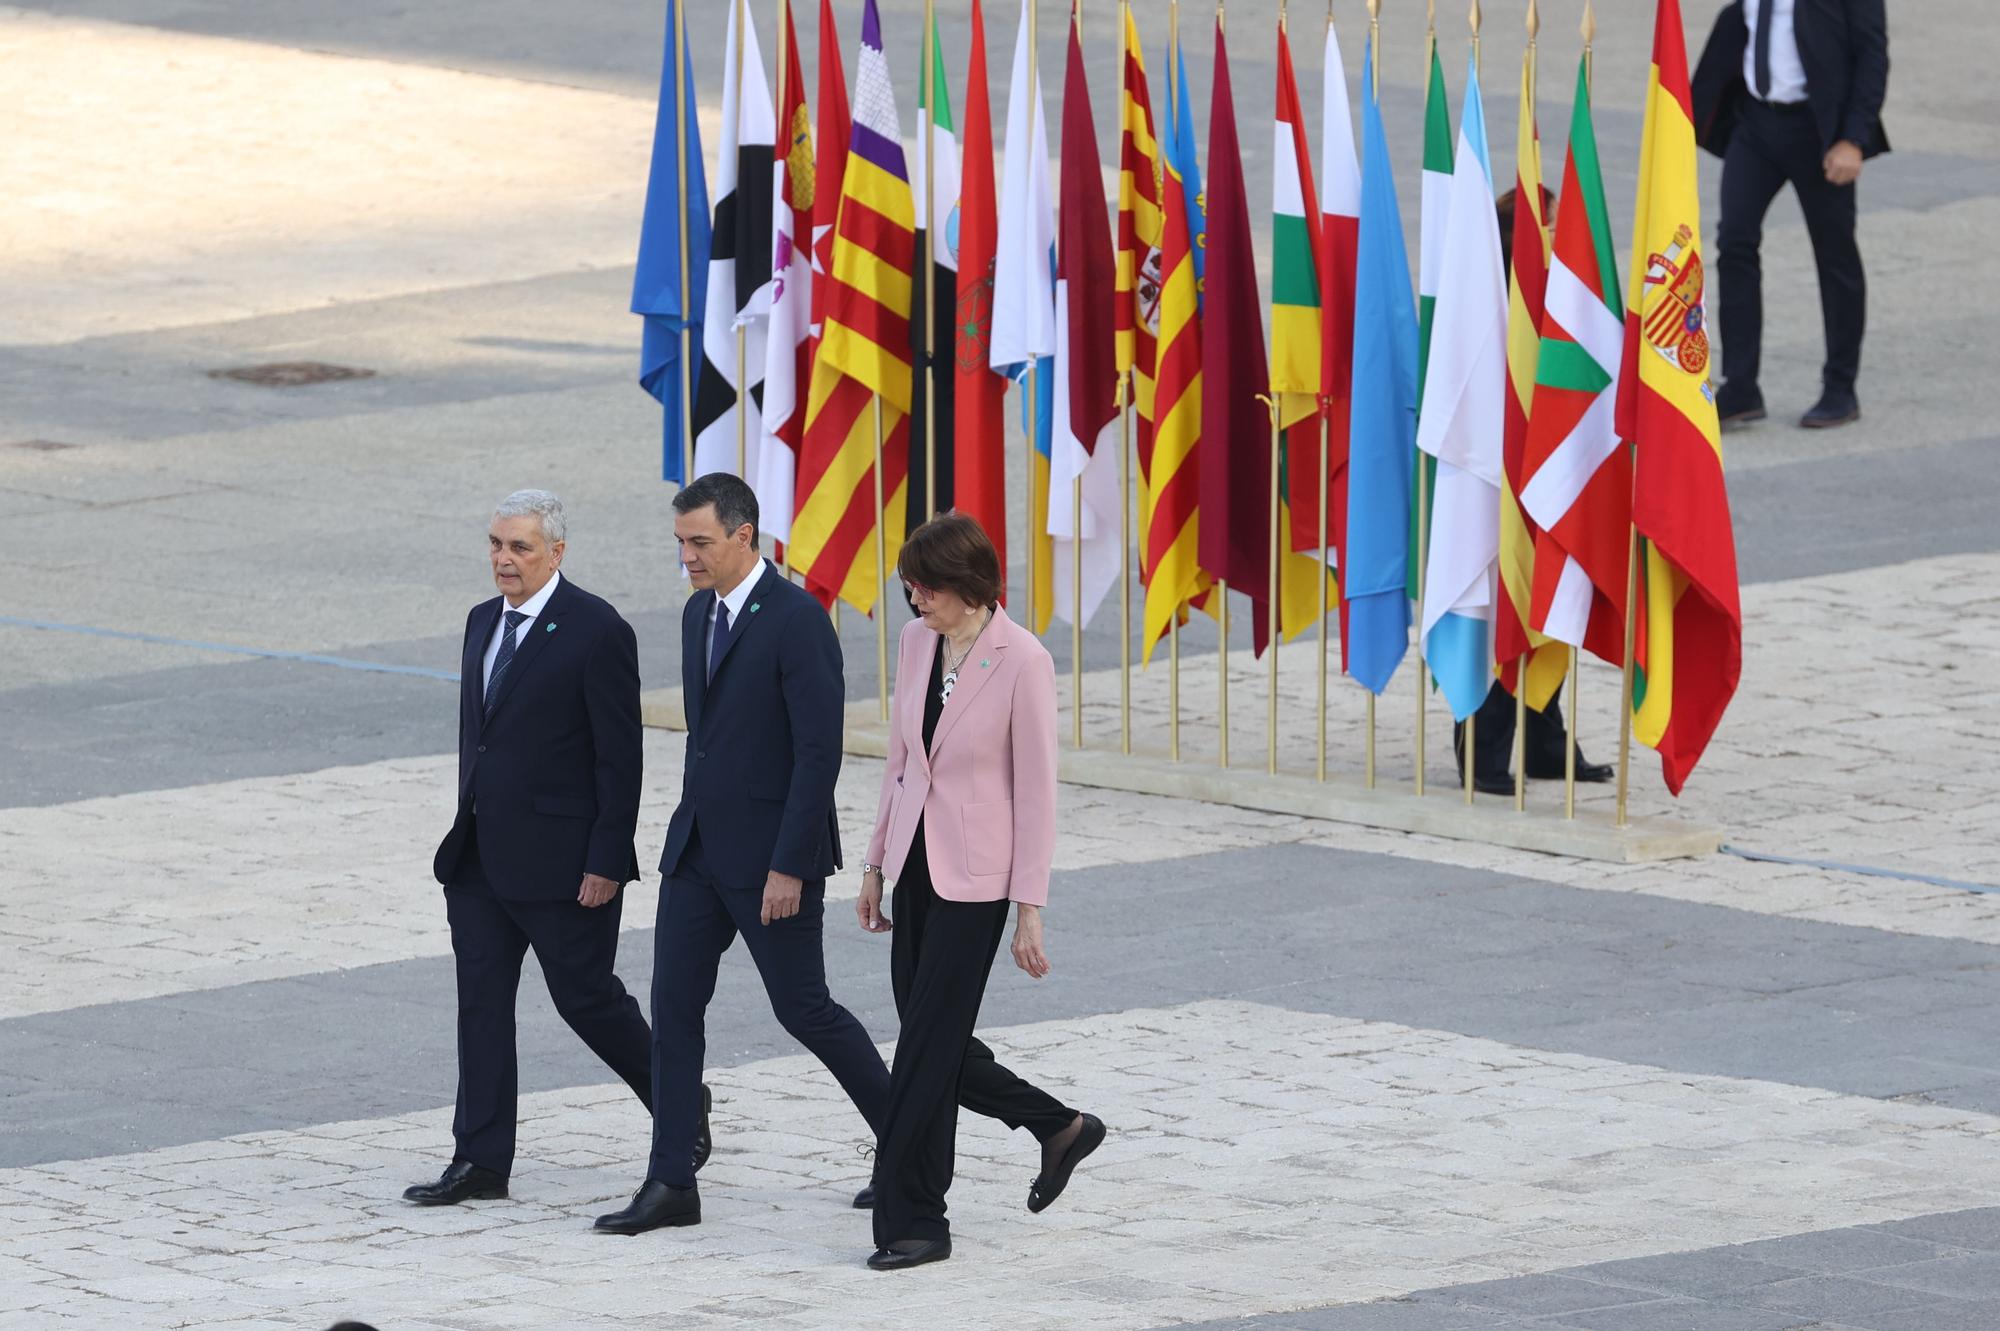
point(1383, 428)
point(656, 286)
point(1180, 146)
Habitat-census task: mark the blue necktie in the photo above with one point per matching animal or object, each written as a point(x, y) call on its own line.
point(504, 659)
point(1761, 56)
point(718, 643)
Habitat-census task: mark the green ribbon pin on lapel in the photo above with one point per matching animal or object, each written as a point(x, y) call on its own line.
point(550, 629)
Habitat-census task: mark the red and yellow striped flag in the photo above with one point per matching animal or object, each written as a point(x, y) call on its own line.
point(1689, 653)
point(1139, 230)
point(864, 353)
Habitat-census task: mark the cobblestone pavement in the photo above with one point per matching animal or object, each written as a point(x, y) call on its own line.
point(1356, 1080)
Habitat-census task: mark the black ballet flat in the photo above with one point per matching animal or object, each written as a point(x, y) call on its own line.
point(1046, 1188)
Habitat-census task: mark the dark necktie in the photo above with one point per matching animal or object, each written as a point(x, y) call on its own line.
point(1763, 88)
point(718, 643)
point(504, 659)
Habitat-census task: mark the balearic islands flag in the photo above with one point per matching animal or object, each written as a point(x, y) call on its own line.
point(1460, 425)
point(864, 354)
point(1526, 282)
point(1084, 443)
point(738, 292)
point(979, 434)
point(1577, 480)
point(656, 284)
point(787, 346)
point(1690, 651)
point(1383, 450)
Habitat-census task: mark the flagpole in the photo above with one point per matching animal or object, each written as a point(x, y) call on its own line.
point(927, 145)
point(1589, 28)
point(1125, 452)
point(1423, 481)
point(1273, 621)
point(1375, 84)
point(681, 229)
point(1472, 721)
point(781, 135)
point(1222, 590)
point(1034, 413)
point(881, 614)
point(1625, 706)
point(742, 330)
point(1076, 543)
point(1325, 426)
point(1521, 666)
point(1174, 619)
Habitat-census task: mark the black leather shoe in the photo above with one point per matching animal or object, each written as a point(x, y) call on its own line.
point(654, 1206)
point(906, 1253)
point(1587, 772)
point(703, 1143)
point(1836, 406)
point(865, 1199)
point(1490, 783)
point(462, 1181)
point(1047, 1187)
point(1738, 406)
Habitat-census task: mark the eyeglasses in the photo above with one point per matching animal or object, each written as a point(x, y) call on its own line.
point(918, 590)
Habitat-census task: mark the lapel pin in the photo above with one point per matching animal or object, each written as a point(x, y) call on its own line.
point(985, 662)
point(755, 607)
point(550, 629)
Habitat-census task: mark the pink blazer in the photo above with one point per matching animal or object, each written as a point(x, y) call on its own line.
point(987, 789)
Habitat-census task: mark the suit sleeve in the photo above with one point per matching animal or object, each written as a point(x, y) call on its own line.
point(611, 698)
point(1034, 743)
point(815, 695)
point(892, 772)
point(1868, 73)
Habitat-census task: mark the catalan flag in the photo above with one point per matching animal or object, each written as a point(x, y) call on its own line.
point(1689, 654)
point(1170, 470)
point(1527, 282)
point(1578, 478)
point(1139, 233)
point(864, 352)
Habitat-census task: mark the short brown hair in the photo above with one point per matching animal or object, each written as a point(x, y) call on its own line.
point(952, 553)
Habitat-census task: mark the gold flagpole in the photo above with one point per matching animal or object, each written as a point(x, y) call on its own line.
point(1375, 83)
point(1423, 480)
point(1076, 545)
point(1589, 29)
point(1472, 721)
point(1033, 414)
point(1222, 591)
point(1273, 621)
point(1174, 620)
point(742, 332)
point(881, 614)
point(1632, 581)
point(927, 147)
point(1125, 410)
point(1521, 666)
point(1325, 425)
point(680, 228)
point(782, 136)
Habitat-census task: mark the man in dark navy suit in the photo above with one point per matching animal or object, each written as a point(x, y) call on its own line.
point(755, 836)
point(1791, 91)
point(548, 800)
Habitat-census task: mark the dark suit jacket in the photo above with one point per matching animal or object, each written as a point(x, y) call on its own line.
point(763, 748)
point(1844, 46)
point(554, 772)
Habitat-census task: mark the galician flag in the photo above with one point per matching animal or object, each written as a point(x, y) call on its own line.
point(1689, 653)
point(1461, 424)
point(1576, 478)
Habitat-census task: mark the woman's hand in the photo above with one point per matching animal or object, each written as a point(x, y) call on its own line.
point(1028, 954)
point(868, 906)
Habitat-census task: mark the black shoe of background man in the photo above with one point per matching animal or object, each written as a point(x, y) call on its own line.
point(1836, 406)
point(654, 1206)
point(1739, 405)
point(1587, 772)
point(906, 1253)
point(865, 1199)
point(462, 1181)
point(703, 1143)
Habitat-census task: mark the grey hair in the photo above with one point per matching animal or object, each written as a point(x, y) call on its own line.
point(537, 504)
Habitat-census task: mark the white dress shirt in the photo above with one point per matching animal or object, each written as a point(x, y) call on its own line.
point(532, 608)
point(1788, 74)
point(736, 600)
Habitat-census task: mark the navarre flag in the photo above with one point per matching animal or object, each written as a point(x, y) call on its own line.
point(863, 360)
point(1381, 456)
point(658, 295)
point(1235, 532)
point(1023, 345)
point(979, 432)
point(739, 276)
point(1461, 424)
point(1339, 241)
point(1170, 470)
point(1083, 522)
point(1297, 367)
point(1689, 653)
point(1513, 639)
point(787, 345)
point(1139, 233)
point(935, 293)
point(1576, 478)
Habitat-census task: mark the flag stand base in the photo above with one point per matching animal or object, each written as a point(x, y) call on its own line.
point(1341, 798)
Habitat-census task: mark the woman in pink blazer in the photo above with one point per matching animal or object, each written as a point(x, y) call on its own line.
point(967, 824)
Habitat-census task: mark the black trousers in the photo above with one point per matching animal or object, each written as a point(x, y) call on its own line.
point(577, 947)
point(1493, 736)
point(1770, 146)
point(698, 920)
point(941, 954)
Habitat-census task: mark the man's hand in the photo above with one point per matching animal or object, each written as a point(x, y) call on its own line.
point(595, 890)
point(1028, 953)
point(1843, 163)
point(781, 896)
point(868, 906)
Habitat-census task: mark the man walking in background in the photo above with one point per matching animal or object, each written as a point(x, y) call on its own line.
point(1791, 90)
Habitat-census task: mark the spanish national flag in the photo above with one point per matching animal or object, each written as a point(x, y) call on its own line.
point(1689, 651)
